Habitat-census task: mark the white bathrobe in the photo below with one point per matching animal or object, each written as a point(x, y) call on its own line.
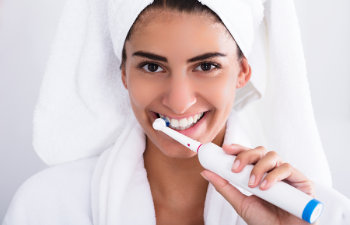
point(65, 194)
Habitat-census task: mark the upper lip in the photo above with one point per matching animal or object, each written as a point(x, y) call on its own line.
point(177, 117)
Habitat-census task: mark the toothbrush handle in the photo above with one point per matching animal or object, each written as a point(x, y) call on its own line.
point(281, 194)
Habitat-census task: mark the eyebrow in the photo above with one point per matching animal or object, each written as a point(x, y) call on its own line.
point(164, 59)
point(206, 56)
point(150, 56)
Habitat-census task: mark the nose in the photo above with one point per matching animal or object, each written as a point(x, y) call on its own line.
point(180, 95)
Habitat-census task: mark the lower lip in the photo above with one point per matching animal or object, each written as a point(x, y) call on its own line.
point(191, 131)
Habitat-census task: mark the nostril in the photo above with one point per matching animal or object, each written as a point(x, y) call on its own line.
point(180, 95)
point(179, 106)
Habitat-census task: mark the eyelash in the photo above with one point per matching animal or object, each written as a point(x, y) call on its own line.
point(216, 65)
point(143, 64)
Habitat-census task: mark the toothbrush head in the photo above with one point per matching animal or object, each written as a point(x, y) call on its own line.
point(160, 123)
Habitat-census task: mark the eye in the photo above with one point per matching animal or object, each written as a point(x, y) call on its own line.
point(207, 66)
point(152, 68)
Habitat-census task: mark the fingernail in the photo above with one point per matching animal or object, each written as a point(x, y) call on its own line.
point(203, 175)
point(252, 180)
point(263, 184)
point(235, 165)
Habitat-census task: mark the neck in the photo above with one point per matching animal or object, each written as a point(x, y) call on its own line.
point(176, 180)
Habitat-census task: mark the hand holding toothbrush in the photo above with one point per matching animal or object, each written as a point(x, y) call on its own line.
point(294, 195)
point(252, 209)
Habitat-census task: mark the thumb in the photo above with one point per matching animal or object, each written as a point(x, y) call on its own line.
point(229, 192)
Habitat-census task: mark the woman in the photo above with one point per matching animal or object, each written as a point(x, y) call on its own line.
point(185, 65)
point(181, 61)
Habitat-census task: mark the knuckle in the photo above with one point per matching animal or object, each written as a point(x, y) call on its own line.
point(225, 186)
point(262, 148)
point(287, 166)
point(232, 146)
point(239, 157)
point(247, 205)
point(278, 163)
point(243, 156)
point(259, 167)
point(261, 154)
point(221, 186)
point(272, 154)
point(262, 151)
point(270, 177)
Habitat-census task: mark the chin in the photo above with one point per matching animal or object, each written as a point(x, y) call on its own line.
point(172, 148)
point(179, 155)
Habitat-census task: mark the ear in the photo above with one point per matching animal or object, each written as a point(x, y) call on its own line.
point(123, 73)
point(245, 73)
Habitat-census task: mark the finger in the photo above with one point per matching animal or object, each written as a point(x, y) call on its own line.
point(290, 175)
point(234, 149)
point(268, 162)
point(278, 174)
point(229, 192)
point(248, 157)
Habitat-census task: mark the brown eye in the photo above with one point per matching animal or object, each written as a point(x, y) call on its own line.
point(152, 68)
point(206, 67)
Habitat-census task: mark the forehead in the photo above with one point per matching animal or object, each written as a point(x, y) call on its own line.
point(169, 31)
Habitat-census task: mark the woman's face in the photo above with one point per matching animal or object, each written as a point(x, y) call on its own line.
point(184, 67)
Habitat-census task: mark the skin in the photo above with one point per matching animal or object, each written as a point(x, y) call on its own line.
point(179, 88)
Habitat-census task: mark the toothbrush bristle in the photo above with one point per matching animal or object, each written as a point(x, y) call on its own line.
point(167, 122)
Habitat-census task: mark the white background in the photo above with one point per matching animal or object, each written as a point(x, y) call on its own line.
point(27, 29)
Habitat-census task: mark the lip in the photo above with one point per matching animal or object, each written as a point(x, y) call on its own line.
point(191, 131)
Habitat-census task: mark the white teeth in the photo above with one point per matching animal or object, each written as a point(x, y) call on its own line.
point(190, 120)
point(196, 117)
point(174, 123)
point(183, 123)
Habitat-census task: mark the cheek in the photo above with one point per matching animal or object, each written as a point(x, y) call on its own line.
point(220, 92)
point(142, 91)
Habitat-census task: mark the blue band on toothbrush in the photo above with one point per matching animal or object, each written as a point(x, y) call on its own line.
point(308, 210)
point(167, 122)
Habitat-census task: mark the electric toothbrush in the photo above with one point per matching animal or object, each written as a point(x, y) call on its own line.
point(213, 158)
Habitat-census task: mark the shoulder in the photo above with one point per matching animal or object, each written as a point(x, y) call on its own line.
point(60, 193)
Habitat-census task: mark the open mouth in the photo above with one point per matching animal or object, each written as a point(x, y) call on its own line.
point(184, 123)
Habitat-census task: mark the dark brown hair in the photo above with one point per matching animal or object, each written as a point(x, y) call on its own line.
point(188, 6)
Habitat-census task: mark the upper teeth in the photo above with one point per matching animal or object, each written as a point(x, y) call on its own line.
point(183, 123)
